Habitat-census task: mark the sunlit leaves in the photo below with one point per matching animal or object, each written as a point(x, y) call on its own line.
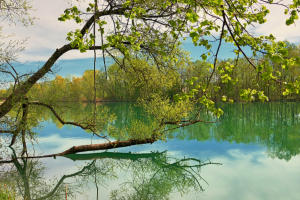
point(192, 16)
point(165, 110)
point(249, 95)
point(293, 13)
point(77, 41)
point(71, 13)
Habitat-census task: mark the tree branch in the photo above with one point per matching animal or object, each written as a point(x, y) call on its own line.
point(63, 122)
point(22, 89)
point(236, 43)
point(95, 147)
point(216, 56)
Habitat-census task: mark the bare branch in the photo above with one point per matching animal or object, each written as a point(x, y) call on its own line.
point(216, 56)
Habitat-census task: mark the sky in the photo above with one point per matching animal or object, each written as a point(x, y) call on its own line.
point(48, 33)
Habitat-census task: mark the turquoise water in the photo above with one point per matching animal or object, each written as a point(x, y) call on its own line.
point(251, 152)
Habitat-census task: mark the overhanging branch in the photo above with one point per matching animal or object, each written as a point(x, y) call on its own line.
point(63, 122)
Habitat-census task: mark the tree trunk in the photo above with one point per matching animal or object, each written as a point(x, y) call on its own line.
point(22, 90)
point(104, 146)
point(93, 147)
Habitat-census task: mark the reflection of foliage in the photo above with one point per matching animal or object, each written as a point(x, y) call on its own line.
point(25, 178)
point(37, 112)
point(274, 125)
point(7, 191)
point(157, 178)
point(159, 112)
point(29, 183)
point(76, 113)
point(150, 176)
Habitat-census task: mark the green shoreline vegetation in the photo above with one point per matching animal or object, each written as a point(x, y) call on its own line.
point(231, 82)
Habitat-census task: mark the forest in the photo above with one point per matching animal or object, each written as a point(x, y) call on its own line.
point(141, 80)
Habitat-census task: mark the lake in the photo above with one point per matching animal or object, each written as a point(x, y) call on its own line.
point(251, 152)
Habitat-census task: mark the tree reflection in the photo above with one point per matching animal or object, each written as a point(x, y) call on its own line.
point(148, 176)
point(272, 125)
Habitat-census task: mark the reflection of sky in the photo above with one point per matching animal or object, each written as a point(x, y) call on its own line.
point(209, 148)
point(243, 179)
point(246, 171)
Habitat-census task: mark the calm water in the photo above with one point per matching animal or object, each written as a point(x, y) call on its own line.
point(253, 149)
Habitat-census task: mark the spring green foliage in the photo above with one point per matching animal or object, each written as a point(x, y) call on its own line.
point(6, 193)
point(142, 32)
point(140, 80)
point(233, 81)
point(168, 95)
point(152, 82)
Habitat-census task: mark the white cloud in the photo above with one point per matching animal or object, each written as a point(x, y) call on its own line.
point(5, 85)
point(47, 33)
point(276, 25)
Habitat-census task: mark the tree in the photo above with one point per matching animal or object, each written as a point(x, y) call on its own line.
point(13, 12)
point(152, 30)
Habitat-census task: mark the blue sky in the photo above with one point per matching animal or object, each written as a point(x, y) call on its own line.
point(76, 66)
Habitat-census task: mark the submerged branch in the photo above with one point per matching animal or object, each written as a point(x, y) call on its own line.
point(94, 147)
point(105, 146)
point(113, 155)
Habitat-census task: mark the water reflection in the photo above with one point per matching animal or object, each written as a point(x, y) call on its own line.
point(258, 145)
point(275, 126)
point(152, 175)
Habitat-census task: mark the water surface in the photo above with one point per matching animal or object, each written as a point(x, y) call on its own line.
point(256, 144)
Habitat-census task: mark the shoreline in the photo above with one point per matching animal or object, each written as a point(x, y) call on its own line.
point(128, 101)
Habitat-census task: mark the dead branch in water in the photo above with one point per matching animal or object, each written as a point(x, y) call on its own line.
point(94, 147)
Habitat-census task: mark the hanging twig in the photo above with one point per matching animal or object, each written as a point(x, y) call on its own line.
point(216, 56)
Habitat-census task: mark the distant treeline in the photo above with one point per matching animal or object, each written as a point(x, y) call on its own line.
point(140, 79)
